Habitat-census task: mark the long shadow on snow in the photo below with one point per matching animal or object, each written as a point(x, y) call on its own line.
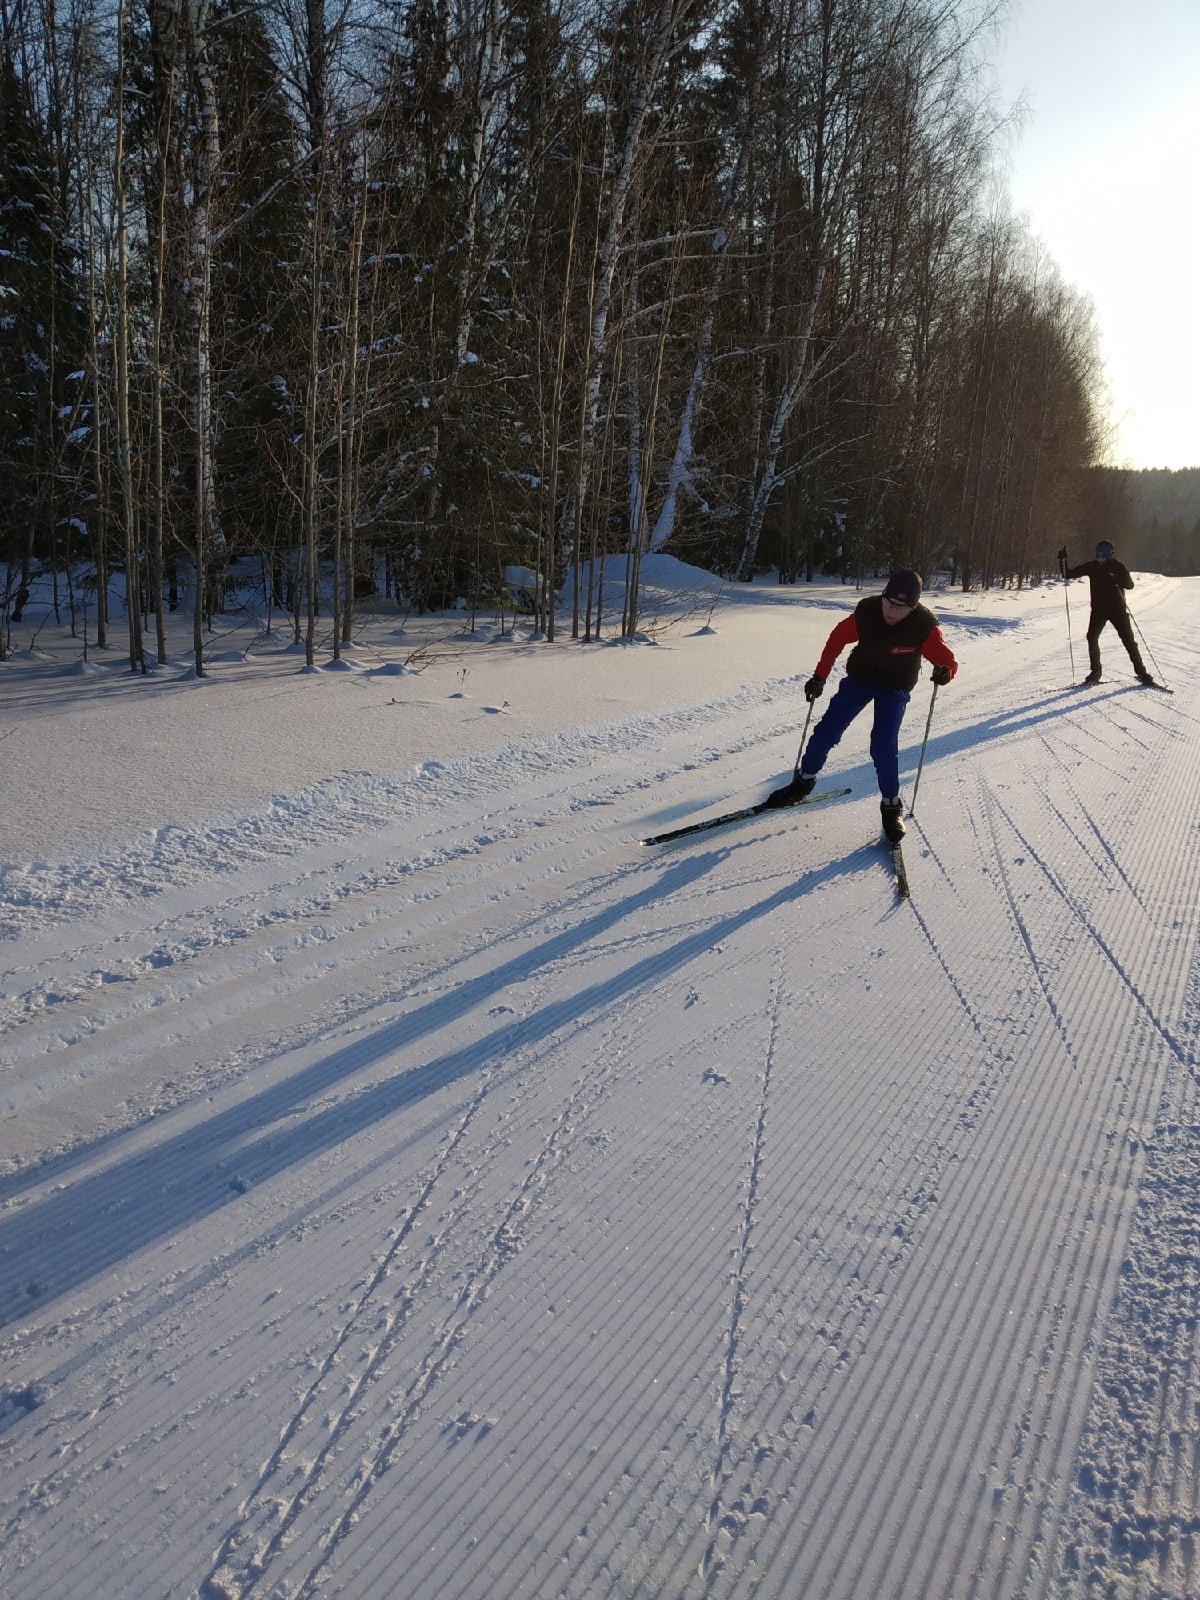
point(54, 1244)
point(1017, 719)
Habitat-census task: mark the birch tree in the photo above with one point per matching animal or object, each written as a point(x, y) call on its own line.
point(666, 26)
point(753, 27)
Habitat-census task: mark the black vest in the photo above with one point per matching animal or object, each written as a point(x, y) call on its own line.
point(888, 655)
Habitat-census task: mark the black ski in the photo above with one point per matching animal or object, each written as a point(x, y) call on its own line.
point(739, 816)
point(898, 867)
point(1161, 687)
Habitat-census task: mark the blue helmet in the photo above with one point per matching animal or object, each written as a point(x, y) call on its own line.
point(1106, 548)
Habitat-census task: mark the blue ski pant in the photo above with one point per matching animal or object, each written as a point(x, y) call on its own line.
point(851, 698)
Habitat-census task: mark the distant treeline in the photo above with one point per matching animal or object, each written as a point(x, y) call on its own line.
point(429, 289)
point(1152, 516)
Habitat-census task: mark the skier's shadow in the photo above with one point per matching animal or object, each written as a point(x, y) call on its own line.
point(83, 1228)
point(1017, 719)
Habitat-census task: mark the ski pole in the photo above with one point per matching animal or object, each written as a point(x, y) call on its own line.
point(1147, 649)
point(1070, 642)
point(803, 737)
point(917, 780)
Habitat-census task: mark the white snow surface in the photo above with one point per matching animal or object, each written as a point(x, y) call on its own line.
point(412, 1186)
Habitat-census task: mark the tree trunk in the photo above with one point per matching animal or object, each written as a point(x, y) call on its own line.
point(137, 656)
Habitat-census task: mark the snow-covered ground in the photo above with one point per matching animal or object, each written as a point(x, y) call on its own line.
point(410, 1186)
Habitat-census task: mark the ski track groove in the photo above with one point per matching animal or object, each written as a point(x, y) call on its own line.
point(923, 1176)
point(470, 1300)
point(322, 817)
point(220, 1580)
point(1000, 1591)
point(1019, 1268)
point(989, 805)
point(607, 1531)
point(929, 853)
point(581, 1483)
point(175, 947)
point(598, 1569)
point(479, 1503)
point(1176, 1046)
point(722, 1526)
point(879, 1456)
point(430, 1370)
point(1081, 810)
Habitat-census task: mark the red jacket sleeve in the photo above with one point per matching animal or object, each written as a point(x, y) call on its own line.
point(845, 633)
point(936, 649)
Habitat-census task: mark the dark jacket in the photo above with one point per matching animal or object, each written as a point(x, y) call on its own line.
point(886, 655)
point(1109, 579)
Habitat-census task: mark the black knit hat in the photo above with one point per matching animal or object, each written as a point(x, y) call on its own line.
point(904, 586)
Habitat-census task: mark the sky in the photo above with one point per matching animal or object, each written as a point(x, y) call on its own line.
point(1106, 169)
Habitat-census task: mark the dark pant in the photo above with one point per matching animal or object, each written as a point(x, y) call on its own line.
point(852, 697)
point(1120, 621)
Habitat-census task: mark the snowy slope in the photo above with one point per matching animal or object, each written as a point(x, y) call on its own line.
point(411, 1186)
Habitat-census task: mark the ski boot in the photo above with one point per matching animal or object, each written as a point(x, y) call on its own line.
point(893, 820)
point(798, 789)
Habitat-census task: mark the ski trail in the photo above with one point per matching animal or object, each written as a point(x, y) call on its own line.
point(929, 852)
point(1044, 1425)
point(1176, 1046)
point(1079, 810)
point(1133, 1519)
point(504, 1243)
point(989, 806)
point(725, 1520)
point(234, 1574)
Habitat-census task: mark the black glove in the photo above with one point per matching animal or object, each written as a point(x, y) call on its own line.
point(814, 688)
point(941, 675)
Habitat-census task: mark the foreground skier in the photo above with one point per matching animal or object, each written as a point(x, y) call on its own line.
point(890, 633)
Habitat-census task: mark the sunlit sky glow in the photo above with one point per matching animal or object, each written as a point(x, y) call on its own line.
point(1107, 171)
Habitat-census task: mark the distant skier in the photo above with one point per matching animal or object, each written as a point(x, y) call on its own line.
point(890, 634)
point(1109, 580)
